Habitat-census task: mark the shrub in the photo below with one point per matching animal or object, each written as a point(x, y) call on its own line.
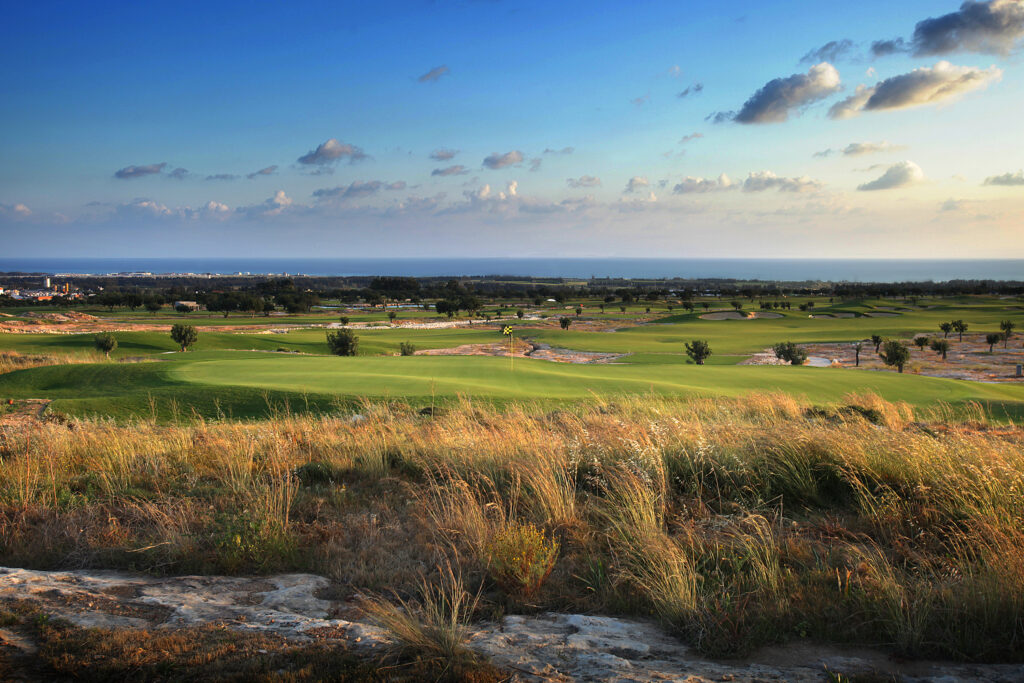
point(788, 351)
point(406, 349)
point(343, 343)
point(343, 319)
point(521, 558)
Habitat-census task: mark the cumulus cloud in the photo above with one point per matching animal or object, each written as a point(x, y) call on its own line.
point(129, 172)
point(766, 180)
point(269, 170)
point(495, 161)
point(222, 176)
point(696, 185)
point(213, 208)
point(774, 102)
point(694, 89)
point(898, 175)
point(457, 169)
point(922, 86)
point(1007, 179)
point(434, 74)
point(993, 27)
point(564, 150)
point(273, 206)
point(637, 183)
point(852, 105)
point(829, 52)
point(443, 154)
point(583, 181)
point(331, 152)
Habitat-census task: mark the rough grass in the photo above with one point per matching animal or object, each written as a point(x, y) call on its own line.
point(735, 522)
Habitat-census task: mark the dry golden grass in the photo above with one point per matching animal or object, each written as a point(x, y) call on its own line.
point(736, 522)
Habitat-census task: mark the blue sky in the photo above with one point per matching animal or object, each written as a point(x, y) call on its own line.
point(131, 129)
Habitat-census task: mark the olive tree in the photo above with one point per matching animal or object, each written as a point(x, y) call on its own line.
point(946, 328)
point(877, 341)
point(921, 342)
point(790, 352)
point(940, 346)
point(565, 321)
point(895, 353)
point(184, 335)
point(992, 338)
point(105, 342)
point(699, 350)
point(960, 326)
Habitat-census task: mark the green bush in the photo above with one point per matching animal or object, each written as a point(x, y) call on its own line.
point(521, 558)
point(343, 343)
point(406, 348)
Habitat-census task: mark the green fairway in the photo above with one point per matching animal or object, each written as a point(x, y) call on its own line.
point(249, 384)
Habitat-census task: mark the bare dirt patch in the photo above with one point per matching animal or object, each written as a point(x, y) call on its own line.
point(969, 359)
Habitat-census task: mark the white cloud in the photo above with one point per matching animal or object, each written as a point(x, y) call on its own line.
point(331, 152)
point(495, 161)
point(903, 174)
point(637, 183)
point(696, 185)
point(922, 86)
point(774, 102)
point(129, 172)
point(457, 169)
point(443, 154)
point(583, 181)
point(766, 180)
point(1009, 179)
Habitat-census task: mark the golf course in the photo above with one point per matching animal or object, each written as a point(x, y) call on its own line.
point(250, 367)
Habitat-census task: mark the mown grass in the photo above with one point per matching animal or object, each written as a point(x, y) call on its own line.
point(735, 522)
point(257, 385)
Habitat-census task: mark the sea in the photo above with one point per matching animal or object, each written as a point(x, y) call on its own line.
point(790, 270)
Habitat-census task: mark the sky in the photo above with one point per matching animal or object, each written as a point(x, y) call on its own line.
point(491, 128)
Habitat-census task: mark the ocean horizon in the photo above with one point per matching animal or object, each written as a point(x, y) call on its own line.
point(791, 270)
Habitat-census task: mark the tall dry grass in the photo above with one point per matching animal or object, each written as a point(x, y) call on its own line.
point(736, 522)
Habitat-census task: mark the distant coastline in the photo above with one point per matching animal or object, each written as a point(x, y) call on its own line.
point(835, 270)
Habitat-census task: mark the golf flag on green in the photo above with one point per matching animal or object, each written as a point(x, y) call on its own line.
point(507, 331)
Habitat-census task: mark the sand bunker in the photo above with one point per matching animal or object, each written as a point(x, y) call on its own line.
point(880, 314)
point(736, 315)
point(523, 349)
